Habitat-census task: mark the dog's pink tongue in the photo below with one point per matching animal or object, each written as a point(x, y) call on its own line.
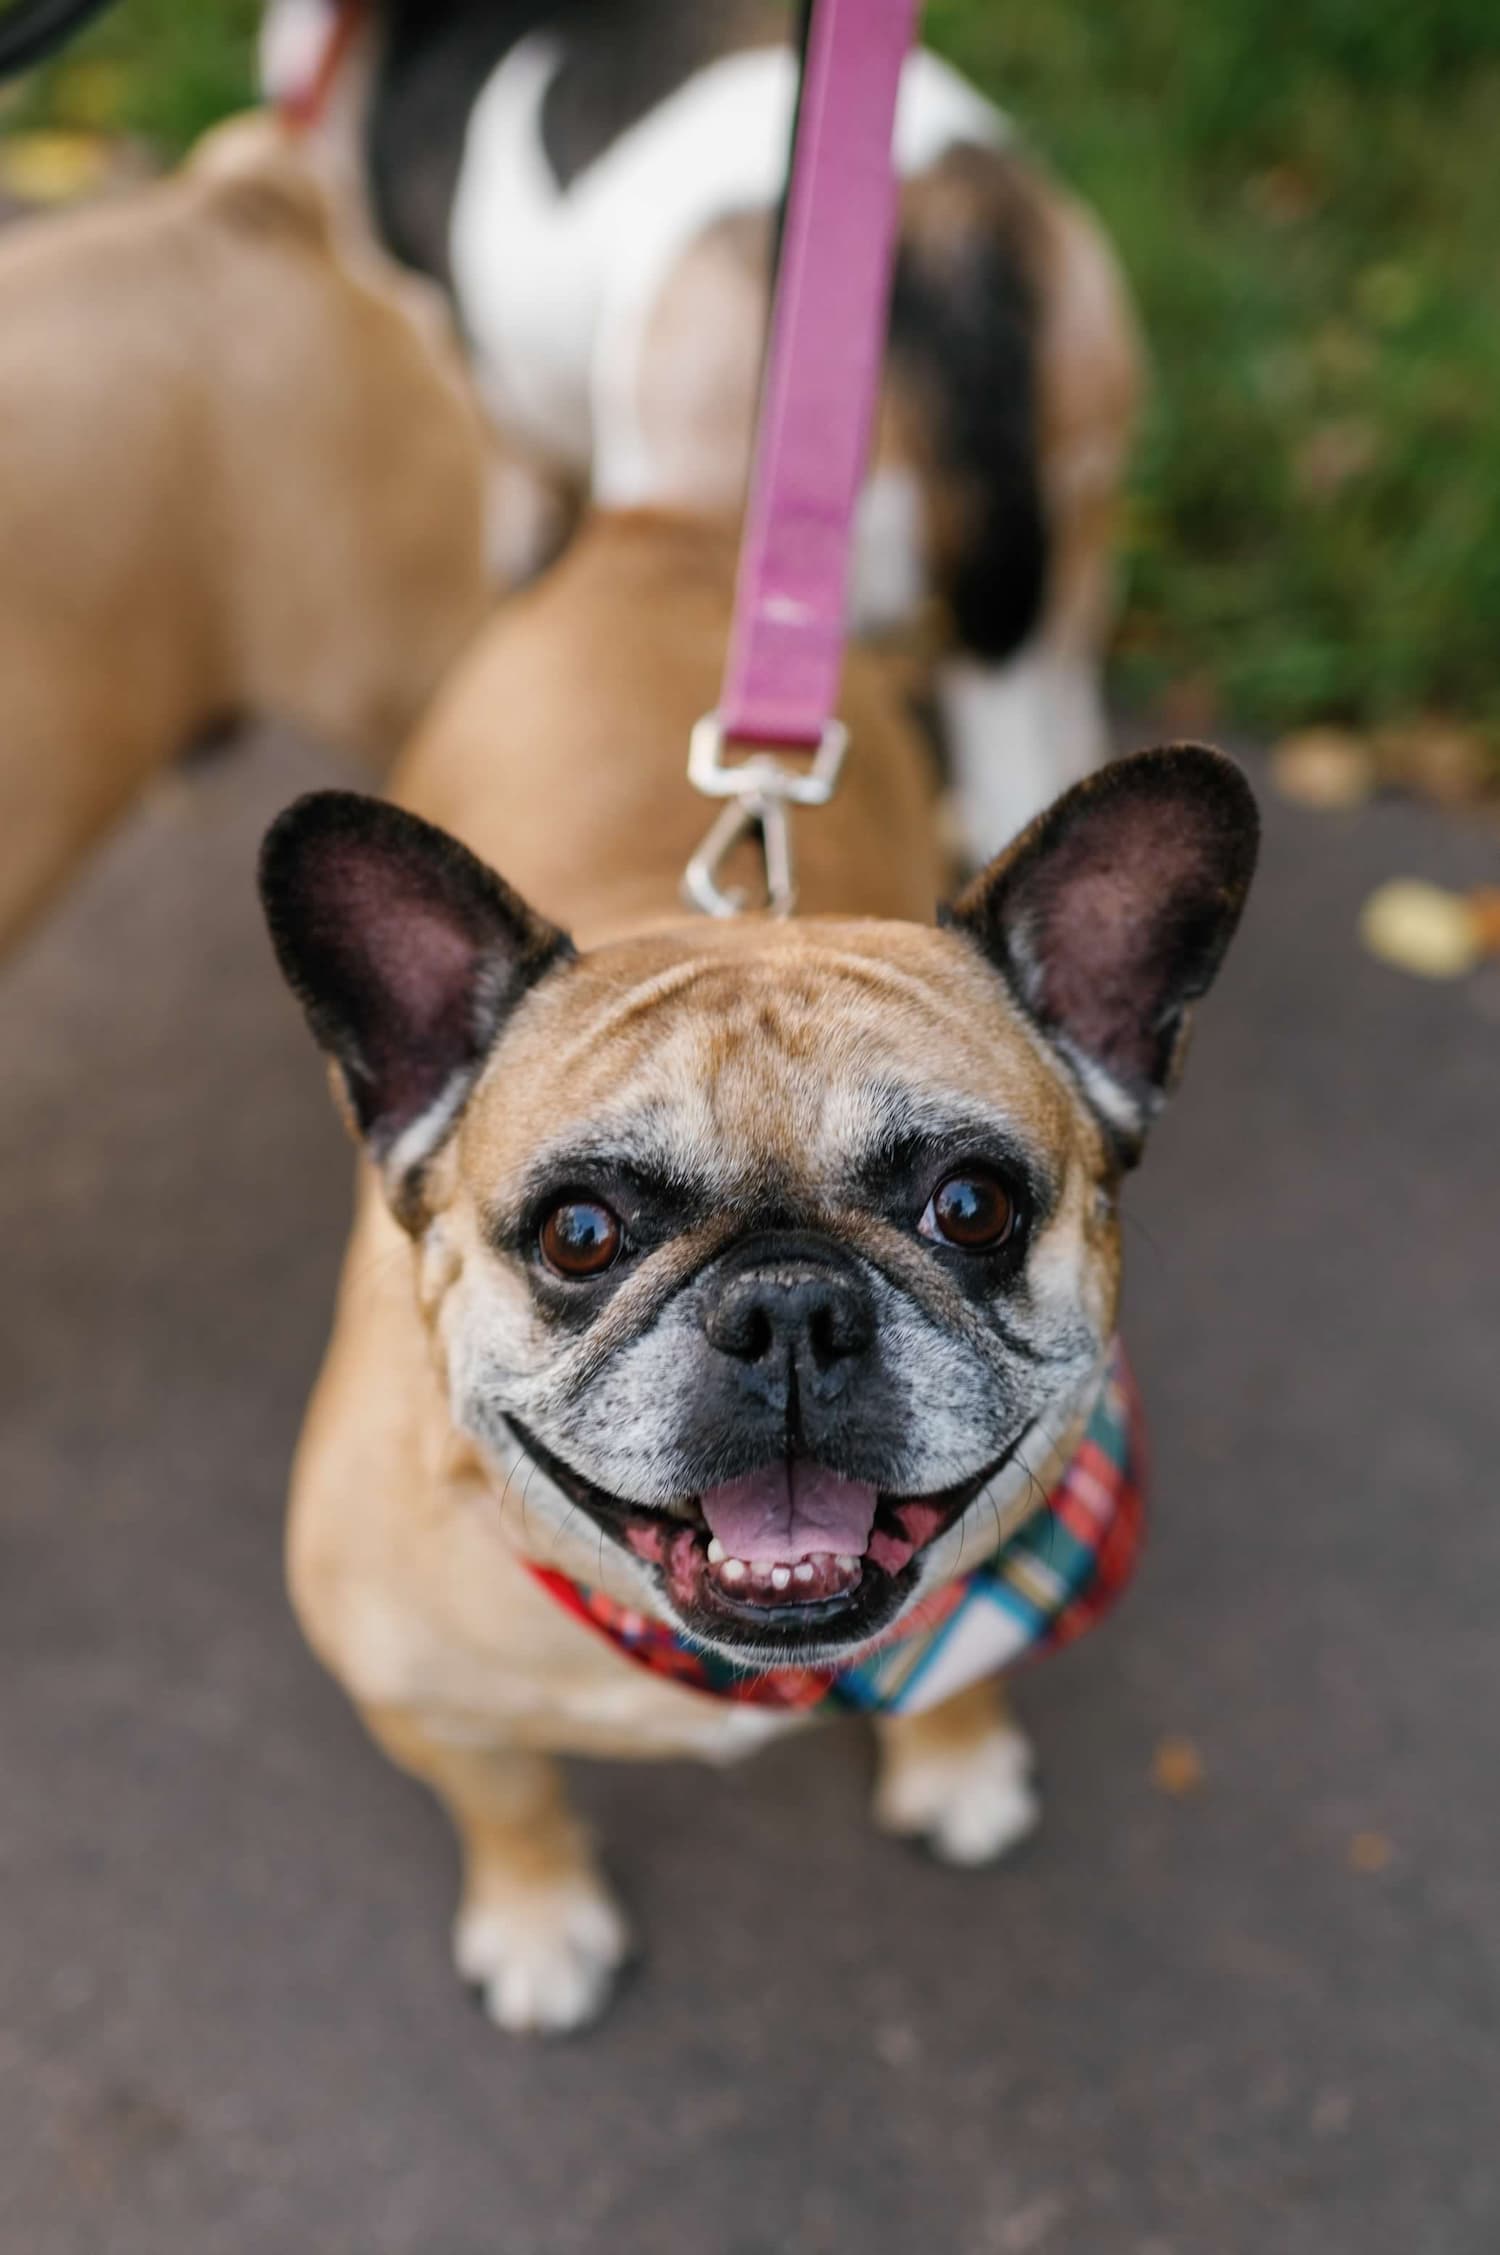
point(789, 1511)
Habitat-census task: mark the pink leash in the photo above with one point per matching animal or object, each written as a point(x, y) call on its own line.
point(302, 107)
point(827, 346)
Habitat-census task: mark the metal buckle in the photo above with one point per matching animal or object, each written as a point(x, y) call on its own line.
point(762, 789)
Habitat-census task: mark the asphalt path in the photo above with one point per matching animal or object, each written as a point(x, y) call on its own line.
point(1260, 2015)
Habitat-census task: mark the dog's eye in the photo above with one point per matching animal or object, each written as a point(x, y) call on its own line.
point(973, 1211)
point(581, 1238)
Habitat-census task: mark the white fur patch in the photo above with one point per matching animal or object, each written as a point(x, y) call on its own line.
point(971, 1806)
point(890, 563)
point(421, 1136)
point(545, 1957)
point(1018, 735)
point(294, 36)
point(557, 285)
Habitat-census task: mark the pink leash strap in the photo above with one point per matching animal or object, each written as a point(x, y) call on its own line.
point(302, 107)
point(822, 376)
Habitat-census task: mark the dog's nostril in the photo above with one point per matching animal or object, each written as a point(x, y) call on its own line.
point(741, 1326)
point(824, 1318)
point(838, 1325)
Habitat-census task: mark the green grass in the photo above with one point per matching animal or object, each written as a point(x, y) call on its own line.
point(1308, 203)
point(171, 68)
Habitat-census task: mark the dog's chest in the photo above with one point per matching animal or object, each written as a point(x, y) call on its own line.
point(612, 1719)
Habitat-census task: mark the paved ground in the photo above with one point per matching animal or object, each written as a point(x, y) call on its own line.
point(1173, 2027)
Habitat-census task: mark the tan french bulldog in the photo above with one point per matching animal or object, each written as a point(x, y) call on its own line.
point(732, 1272)
point(236, 475)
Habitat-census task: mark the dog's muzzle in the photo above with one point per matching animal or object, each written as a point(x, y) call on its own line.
point(792, 1325)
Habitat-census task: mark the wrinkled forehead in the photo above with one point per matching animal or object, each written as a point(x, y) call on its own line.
point(725, 1053)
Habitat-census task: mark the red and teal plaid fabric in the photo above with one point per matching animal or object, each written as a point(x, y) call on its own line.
point(1055, 1577)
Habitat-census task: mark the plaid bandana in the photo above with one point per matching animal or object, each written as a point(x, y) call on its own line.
point(1052, 1580)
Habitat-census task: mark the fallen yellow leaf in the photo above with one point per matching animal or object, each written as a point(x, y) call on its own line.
point(53, 167)
point(1370, 1851)
point(1437, 759)
point(1177, 1767)
point(1484, 907)
point(1421, 929)
point(1327, 768)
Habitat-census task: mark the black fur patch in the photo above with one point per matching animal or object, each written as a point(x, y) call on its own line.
point(618, 59)
point(434, 58)
point(963, 340)
point(622, 58)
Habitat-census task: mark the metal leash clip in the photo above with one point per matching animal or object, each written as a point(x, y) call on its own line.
point(761, 789)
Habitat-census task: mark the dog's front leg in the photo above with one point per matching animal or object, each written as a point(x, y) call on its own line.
point(958, 1777)
point(537, 1930)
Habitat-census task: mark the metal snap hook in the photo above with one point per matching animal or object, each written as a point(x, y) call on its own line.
point(761, 789)
point(769, 818)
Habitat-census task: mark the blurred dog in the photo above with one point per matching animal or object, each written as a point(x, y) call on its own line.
point(724, 1280)
point(596, 183)
point(239, 475)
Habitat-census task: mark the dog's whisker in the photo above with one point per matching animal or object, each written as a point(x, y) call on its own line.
point(1043, 1500)
point(531, 1472)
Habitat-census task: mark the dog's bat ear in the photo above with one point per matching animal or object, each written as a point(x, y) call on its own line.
point(1110, 915)
point(406, 953)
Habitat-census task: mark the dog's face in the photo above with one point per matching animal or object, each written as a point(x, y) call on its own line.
point(769, 1246)
point(765, 1261)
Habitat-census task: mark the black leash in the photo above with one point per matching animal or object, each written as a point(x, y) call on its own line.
point(31, 30)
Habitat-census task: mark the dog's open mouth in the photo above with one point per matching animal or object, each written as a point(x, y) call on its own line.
point(792, 1551)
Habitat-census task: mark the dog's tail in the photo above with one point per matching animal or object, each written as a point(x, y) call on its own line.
point(31, 30)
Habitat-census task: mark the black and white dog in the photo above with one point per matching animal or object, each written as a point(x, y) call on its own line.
point(595, 183)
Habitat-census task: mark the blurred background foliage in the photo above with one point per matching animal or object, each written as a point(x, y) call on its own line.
point(162, 69)
point(1308, 203)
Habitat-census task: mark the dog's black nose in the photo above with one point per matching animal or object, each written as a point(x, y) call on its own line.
point(790, 1315)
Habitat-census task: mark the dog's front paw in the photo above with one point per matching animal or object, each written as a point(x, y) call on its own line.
point(543, 1958)
point(971, 1804)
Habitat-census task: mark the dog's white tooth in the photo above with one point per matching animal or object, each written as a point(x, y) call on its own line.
point(804, 1572)
point(735, 1569)
point(847, 1562)
point(780, 1576)
point(715, 1552)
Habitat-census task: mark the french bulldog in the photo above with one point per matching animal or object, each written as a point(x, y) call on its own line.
point(716, 1283)
point(240, 472)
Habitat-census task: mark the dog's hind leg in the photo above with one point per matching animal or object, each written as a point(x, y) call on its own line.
point(538, 1931)
point(1015, 736)
point(957, 1777)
